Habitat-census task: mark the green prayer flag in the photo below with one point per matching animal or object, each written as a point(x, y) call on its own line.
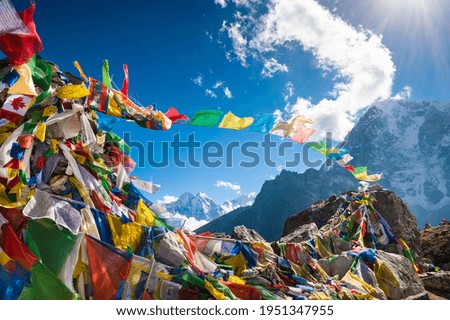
point(192, 279)
point(44, 95)
point(359, 170)
point(106, 79)
point(206, 118)
point(28, 127)
point(44, 285)
point(41, 72)
point(265, 294)
point(219, 286)
point(118, 142)
point(49, 243)
point(36, 116)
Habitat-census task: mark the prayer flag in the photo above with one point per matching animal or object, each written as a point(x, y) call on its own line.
point(230, 121)
point(109, 268)
point(206, 118)
point(263, 123)
point(20, 47)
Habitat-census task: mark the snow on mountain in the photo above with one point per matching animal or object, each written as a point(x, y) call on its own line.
point(407, 141)
point(199, 209)
point(243, 201)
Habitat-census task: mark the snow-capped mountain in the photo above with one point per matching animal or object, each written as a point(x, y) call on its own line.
point(202, 207)
point(407, 141)
point(242, 201)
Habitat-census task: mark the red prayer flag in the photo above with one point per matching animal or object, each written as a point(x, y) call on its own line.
point(19, 47)
point(25, 141)
point(243, 291)
point(175, 116)
point(125, 80)
point(109, 268)
point(349, 168)
point(16, 249)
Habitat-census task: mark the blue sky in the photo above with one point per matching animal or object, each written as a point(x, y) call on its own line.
point(263, 52)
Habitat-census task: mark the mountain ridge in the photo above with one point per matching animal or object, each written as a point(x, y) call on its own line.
point(407, 141)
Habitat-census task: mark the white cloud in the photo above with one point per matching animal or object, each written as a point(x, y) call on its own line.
point(198, 80)
point(271, 67)
point(238, 41)
point(362, 66)
point(404, 94)
point(218, 84)
point(167, 199)
point(241, 3)
point(227, 93)
point(222, 3)
point(229, 185)
point(190, 223)
point(210, 93)
point(289, 91)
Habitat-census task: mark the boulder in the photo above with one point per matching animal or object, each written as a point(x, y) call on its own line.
point(409, 283)
point(246, 235)
point(401, 221)
point(439, 281)
point(436, 244)
point(339, 266)
point(303, 233)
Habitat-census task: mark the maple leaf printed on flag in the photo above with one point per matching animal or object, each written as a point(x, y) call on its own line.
point(18, 103)
point(15, 107)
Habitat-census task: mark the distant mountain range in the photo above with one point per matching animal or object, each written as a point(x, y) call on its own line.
point(407, 141)
point(202, 207)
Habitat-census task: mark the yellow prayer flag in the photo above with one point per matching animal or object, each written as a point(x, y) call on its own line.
point(24, 84)
point(365, 177)
point(49, 111)
point(4, 259)
point(213, 291)
point(72, 92)
point(320, 248)
point(144, 215)
point(125, 234)
point(114, 103)
point(236, 279)
point(54, 144)
point(230, 121)
point(80, 71)
point(238, 263)
point(40, 132)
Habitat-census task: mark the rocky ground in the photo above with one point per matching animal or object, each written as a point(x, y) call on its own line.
point(430, 246)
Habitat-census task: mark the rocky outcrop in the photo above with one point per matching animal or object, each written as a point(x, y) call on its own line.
point(409, 283)
point(402, 223)
point(437, 281)
point(246, 235)
point(303, 233)
point(436, 244)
